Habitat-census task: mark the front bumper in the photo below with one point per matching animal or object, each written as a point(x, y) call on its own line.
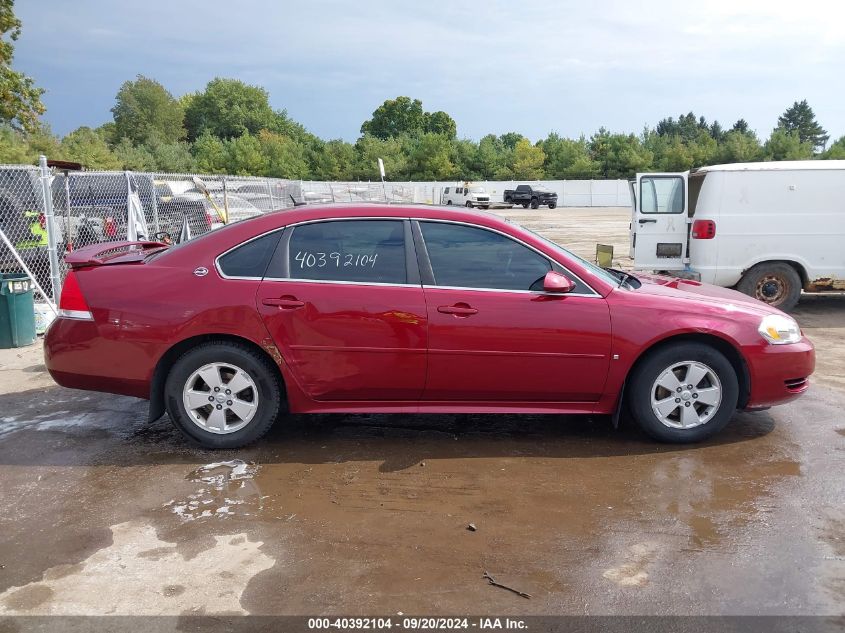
point(779, 373)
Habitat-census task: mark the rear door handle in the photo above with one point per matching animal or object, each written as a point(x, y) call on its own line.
point(460, 309)
point(647, 221)
point(285, 303)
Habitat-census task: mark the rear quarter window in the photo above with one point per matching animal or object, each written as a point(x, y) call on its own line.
point(251, 258)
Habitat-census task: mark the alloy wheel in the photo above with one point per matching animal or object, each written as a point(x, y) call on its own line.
point(686, 395)
point(220, 398)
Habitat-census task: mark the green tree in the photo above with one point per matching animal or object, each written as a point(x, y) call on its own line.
point(396, 117)
point(491, 156)
point(431, 158)
point(836, 151)
point(528, 161)
point(786, 145)
point(739, 147)
point(145, 110)
point(209, 154)
point(134, 157)
point(441, 123)
point(510, 139)
point(283, 157)
point(228, 108)
point(562, 154)
point(799, 117)
point(85, 146)
point(619, 155)
point(14, 148)
point(20, 98)
point(244, 156)
point(394, 152)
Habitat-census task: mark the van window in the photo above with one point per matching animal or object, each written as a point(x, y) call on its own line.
point(662, 194)
point(446, 190)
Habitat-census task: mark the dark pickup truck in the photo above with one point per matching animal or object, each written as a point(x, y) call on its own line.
point(534, 195)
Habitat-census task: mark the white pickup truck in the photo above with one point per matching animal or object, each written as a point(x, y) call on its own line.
point(769, 229)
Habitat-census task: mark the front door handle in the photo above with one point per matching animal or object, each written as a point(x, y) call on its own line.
point(647, 221)
point(459, 309)
point(285, 303)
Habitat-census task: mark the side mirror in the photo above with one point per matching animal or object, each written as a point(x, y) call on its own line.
point(557, 283)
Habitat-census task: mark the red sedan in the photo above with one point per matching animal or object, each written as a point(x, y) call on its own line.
point(409, 309)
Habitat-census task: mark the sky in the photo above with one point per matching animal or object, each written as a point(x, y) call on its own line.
point(530, 66)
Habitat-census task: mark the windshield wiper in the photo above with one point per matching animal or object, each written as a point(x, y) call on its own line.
point(622, 276)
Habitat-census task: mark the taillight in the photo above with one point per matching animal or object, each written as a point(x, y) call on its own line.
point(704, 229)
point(72, 304)
point(42, 220)
point(209, 221)
point(110, 227)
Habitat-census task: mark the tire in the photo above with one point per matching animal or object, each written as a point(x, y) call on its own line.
point(535, 204)
point(524, 205)
point(552, 205)
point(448, 203)
point(712, 400)
point(775, 283)
point(468, 204)
point(211, 358)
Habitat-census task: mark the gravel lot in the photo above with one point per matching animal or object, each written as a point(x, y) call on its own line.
point(103, 513)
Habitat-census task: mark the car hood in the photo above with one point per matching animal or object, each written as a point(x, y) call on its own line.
point(675, 287)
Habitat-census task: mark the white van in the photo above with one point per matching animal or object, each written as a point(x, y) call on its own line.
point(768, 229)
point(471, 196)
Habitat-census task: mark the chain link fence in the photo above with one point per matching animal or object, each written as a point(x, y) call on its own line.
point(45, 213)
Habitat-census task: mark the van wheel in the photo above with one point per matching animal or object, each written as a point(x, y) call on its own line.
point(775, 283)
point(448, 203)
point(535, 204)
point(469, 204)
point(684, 392)
point(222, 395)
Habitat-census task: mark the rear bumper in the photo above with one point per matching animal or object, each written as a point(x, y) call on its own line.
point(779, 373)
point(78, 357)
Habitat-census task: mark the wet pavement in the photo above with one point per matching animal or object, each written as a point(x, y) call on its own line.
point(103, 513)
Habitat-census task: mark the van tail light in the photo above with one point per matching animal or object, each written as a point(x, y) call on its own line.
point(704, 229)
point(42, 220)
point(72, 304)
point(110, 227)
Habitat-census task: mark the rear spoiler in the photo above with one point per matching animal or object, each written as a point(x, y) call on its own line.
point(102, 253)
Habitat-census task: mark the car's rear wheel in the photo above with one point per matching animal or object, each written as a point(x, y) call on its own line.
point(223, 395)
point(775, 283)
point(683, 392)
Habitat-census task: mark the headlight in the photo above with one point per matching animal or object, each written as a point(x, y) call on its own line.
point(779, 330)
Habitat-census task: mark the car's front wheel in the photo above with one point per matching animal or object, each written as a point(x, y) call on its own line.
point(223, 395)
point(683, 392)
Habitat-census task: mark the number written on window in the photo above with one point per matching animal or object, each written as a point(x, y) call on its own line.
point(349, 250)
point(319, 260)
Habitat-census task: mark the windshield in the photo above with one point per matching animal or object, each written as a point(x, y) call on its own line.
point(596, 270)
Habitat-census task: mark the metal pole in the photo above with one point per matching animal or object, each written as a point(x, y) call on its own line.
point(55, 275)
point(226, 199)
point(155, 202)
point(26, 269)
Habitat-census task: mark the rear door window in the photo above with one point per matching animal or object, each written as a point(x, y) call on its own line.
point(364, 251)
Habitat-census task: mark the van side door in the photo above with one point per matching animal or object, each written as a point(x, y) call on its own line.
point(660, 223)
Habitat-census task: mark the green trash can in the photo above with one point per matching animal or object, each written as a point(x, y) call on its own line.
point(17, 311)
